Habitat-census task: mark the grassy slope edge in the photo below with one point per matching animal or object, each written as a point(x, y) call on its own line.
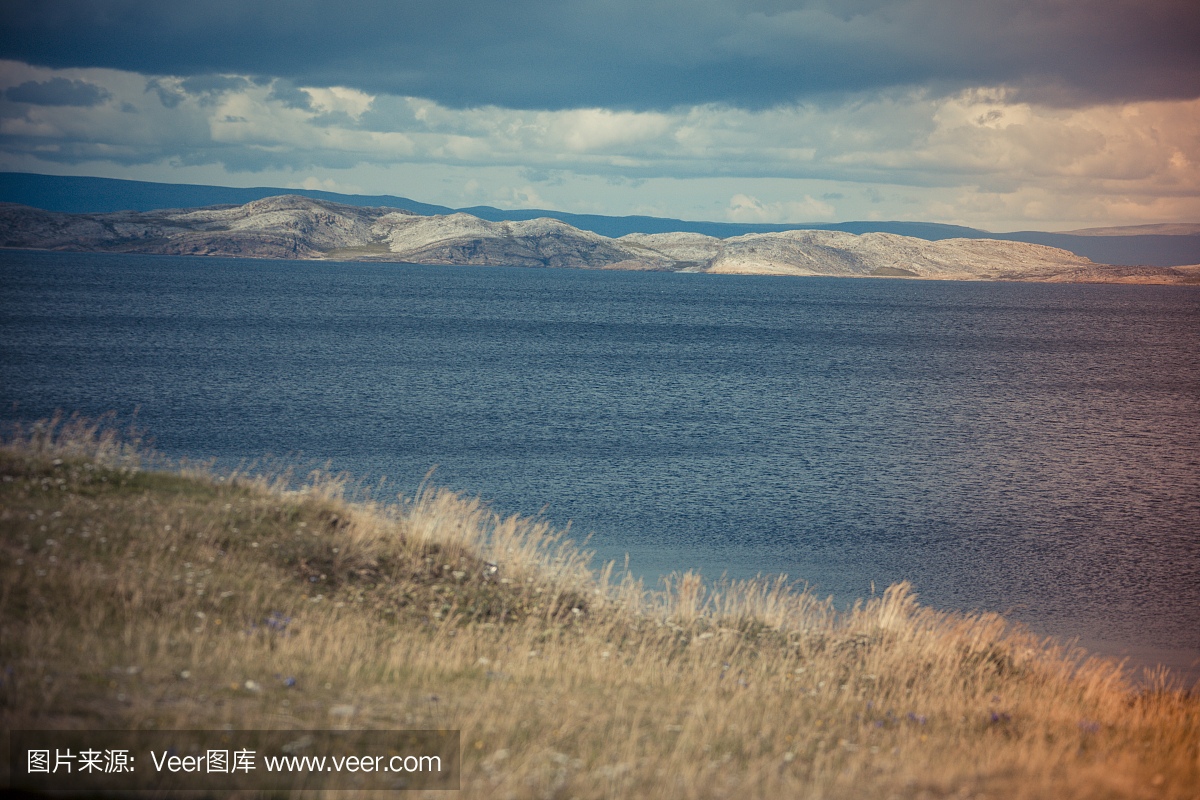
point(174, 599)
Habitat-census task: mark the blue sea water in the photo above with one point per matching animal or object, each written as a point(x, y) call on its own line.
point(1026, 448)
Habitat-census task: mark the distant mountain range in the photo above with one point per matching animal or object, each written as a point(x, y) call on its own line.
point(299, 227)
point(1145, 245)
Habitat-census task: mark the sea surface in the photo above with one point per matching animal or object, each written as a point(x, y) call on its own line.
point(1032, 449)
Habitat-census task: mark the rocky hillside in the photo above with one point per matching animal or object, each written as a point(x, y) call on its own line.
point(275, 227)
point(809, 252)
point(290, 226)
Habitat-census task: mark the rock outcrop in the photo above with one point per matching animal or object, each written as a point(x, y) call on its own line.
point(290, 226)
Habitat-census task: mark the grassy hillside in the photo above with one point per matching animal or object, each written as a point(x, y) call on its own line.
point(173, 599)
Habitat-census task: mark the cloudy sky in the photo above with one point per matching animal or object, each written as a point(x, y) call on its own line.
point(1001, 114)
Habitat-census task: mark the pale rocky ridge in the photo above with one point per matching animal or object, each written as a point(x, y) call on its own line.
point(295, 227)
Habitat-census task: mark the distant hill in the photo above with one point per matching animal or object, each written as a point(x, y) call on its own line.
point(299, 227)
point(1163, 228)
point(1155, 250)
point(1144, 245)
point(79, 195)
point(622, 226)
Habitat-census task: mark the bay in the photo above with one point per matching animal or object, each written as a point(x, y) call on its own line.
point(1026, 448)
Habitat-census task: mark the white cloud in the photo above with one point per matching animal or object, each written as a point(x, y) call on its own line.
point(338, 98)
point(982, 157)
point(508, 196)
point(312, 182)
point(601, 130)
point(745, 208)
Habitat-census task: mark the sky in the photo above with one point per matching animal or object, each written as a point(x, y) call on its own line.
point(999, 114)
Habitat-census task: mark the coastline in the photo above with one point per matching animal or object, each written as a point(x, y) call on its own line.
point(1152, 276)
point(189, 591)
point(300, 228)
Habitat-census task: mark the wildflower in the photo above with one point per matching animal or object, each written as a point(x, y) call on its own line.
point(277, 622)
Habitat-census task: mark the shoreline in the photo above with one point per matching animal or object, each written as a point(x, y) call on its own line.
point(300, 228)
point(1190, 274)
point(158, 600)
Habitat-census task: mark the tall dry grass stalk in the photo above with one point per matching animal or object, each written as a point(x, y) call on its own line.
point(152, 599)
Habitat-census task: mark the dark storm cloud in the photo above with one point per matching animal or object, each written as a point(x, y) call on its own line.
point(169, 96)
point(291, 96)
point(646, 54)
point(208, 89)
point(213, 84)
point(58, 92)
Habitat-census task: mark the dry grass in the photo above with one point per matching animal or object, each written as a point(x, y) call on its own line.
point(153, 599)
